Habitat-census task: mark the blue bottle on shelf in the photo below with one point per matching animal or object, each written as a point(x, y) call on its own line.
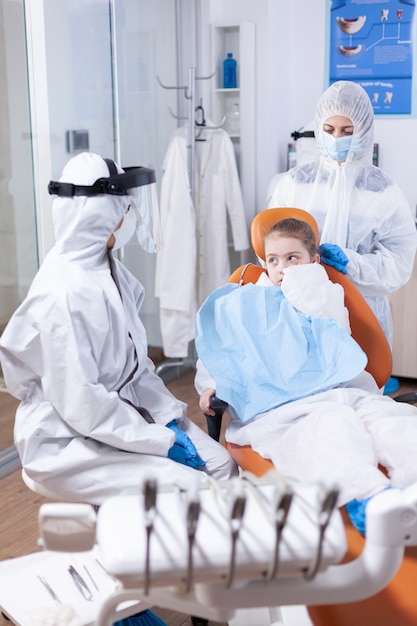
point(229, 72)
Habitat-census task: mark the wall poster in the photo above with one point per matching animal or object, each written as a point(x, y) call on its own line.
point(371, 43)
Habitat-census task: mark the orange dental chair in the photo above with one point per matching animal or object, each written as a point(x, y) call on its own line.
point(396, 605)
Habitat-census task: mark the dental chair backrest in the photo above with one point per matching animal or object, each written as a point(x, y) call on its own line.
point(365, 327)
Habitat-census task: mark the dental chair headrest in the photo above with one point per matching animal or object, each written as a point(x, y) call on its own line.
point(264, 221)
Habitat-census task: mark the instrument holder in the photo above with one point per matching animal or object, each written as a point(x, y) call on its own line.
point(327, 508)
point(193, 514)
point(280, 514)
point(149, 493)
point(236, 518)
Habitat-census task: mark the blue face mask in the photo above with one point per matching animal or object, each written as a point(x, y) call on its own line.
point(337, 148)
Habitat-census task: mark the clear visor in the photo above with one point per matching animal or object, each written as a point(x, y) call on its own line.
point(144, 201)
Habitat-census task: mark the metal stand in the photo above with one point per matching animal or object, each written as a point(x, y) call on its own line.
point(190, 94)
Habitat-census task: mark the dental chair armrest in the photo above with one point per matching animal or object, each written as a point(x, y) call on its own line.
point(214, 422)
point(410, 397)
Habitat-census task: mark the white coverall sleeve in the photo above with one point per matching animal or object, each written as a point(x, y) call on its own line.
point(202, 379)
point(59, 366)
point(388, 264)
point(161, 403)
point(311, 292)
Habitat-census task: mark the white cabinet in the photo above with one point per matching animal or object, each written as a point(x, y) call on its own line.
point(240, 40)
point(404, 312)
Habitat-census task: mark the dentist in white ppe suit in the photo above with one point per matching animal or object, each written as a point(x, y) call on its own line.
point(93, 416)
point(366, 225)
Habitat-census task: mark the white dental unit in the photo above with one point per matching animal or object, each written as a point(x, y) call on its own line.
point(210, 552)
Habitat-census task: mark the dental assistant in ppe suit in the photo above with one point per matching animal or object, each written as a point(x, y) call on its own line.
point(95, 419)
point(366, 225)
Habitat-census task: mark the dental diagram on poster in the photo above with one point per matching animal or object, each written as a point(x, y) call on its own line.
point(372, 43)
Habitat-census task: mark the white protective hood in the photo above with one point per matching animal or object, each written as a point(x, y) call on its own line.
point(350, 100)
point(84, 224)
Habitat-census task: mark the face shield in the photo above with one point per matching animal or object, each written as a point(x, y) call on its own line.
point(138, 185)
point(144, 201)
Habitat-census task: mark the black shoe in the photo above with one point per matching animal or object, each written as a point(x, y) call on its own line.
point(199, 621)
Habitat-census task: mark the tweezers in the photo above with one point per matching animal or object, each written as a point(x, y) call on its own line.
point(49, 589)
point(80, 583)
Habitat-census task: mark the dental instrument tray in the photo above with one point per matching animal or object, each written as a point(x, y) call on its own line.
point(225, 532)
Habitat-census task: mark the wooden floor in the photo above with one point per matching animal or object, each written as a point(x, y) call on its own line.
point(19, 506)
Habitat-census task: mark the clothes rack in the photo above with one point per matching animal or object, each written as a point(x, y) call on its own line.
point(190, 95)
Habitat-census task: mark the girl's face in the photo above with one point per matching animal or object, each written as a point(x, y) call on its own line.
point(282, 252)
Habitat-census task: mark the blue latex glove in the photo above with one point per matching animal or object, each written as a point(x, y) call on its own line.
point(184, 451)
point(356, 509)
point(144, 618)
point(333, 255)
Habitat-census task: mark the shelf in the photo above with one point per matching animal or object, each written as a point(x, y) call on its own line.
point(228, 90)
point(239, 39)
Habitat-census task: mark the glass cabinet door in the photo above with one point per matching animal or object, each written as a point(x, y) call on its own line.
point(74, 76)
point(18, 234)
point(18, 241)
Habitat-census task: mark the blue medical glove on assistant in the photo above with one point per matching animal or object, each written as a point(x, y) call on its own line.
point(144, 618)
point(356, 509)
point(184, 451)
point(332, 254)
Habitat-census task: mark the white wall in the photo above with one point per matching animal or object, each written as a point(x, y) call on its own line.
point(292, 71)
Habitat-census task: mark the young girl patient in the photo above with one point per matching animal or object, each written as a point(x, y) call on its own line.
point(281, 355)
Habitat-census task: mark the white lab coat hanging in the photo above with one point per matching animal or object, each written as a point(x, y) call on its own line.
point(195, 258)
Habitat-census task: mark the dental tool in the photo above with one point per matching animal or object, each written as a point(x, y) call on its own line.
point(327, 507)
point(149, 503)
point(80, 583)
point(193, 514)
point(280, 510)
point(49, 589)
point(236, 517)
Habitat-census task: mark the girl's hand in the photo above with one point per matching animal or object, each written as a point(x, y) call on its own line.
point(205, 401)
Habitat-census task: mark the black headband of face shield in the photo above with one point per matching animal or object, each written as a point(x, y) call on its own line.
point(113, 185)
point(297, 135)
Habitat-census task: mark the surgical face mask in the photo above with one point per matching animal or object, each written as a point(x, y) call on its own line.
point(124, 234)
point(337, 147)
